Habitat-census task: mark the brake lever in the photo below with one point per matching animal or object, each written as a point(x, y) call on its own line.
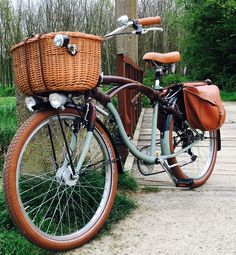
point(137, 27)
point(144, 31)
point(119, 29)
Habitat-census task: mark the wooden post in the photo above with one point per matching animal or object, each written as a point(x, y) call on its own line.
point(127, 44)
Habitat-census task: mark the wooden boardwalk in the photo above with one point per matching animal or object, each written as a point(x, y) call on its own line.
point(225, 168)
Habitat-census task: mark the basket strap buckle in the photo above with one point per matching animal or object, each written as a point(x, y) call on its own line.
point(73, 49)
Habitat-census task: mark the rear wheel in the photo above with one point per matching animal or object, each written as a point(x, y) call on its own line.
point(52, 210)
point(198, 162)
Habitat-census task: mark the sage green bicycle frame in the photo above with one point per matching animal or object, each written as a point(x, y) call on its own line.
point(151, 159)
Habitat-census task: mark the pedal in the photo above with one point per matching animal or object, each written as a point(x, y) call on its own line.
point(186, 182)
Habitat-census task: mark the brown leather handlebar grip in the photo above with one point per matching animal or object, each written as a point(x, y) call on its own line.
point(150, 21)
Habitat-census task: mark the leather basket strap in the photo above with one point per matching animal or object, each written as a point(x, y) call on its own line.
point(27, 65)
point(41, 62)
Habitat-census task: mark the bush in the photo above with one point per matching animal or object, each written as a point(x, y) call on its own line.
point(174, 78)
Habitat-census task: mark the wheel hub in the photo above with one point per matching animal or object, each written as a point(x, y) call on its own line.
point(65, 176)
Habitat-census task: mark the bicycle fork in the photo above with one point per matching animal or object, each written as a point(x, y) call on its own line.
point(88, 118)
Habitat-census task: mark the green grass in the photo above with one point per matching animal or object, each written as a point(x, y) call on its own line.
point(6, 101)
point(149, 189)
point(13, 243)
point(124, 204)
point(127, 183)
point(122, 208)
point(7, 124)
point(228, 96)
point(7, 91)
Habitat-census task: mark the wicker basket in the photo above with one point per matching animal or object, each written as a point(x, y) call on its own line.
point(40, 67)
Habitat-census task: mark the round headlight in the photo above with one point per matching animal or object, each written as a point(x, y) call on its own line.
point(123, 20)
point(57, 100)
point(30, 102)
point(61, 40)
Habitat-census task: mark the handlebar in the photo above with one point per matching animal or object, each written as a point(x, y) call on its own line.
point(125, 22)
point(149, 21)
point(137, 25)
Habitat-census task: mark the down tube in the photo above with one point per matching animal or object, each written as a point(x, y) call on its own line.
point(125, 138)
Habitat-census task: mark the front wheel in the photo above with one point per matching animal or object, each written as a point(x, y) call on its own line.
point(198, 162)
point(59, 213)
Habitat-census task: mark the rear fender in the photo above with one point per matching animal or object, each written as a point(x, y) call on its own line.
point(218, 137)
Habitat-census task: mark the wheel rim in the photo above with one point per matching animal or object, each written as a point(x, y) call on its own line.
point(56, 210)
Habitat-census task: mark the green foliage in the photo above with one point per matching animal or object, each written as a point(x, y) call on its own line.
point(8, 120)
point(228, 96)
point(127, 182)
point(7, 124)
point(209, 44)
point(149, 77)
point(173, 78)
point(149, 80)
point(7, 91)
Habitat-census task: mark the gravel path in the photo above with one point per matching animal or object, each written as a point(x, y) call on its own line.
point(173, 222)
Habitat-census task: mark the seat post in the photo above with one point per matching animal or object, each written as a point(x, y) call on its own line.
point(158, 74)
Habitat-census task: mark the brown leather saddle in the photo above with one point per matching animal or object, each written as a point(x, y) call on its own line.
point(155, 58)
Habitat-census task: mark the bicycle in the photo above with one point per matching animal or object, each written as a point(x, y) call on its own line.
point(60, 198)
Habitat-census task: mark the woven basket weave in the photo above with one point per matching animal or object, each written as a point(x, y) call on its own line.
point(40, 67)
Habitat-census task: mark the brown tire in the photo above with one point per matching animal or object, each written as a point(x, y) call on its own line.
point(59, 214)
point(205, 152)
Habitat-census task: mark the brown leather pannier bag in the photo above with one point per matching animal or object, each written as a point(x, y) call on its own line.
point(203, 106)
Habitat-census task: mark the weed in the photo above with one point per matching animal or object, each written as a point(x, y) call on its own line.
point(150, 189)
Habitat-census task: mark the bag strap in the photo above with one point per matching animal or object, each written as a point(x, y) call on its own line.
point(194, 84)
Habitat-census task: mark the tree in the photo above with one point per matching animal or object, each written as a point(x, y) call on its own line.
point(209, 44)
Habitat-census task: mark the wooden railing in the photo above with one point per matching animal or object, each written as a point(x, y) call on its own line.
point(129, 101)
